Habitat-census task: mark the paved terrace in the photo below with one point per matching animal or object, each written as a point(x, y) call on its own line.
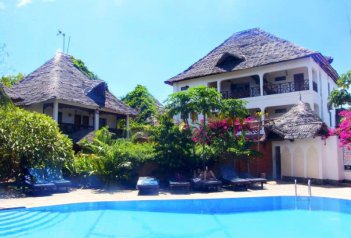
point(115, 194)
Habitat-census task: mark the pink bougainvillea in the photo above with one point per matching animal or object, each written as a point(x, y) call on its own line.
point(344, 129)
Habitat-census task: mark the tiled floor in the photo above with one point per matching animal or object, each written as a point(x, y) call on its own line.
point(89, 195)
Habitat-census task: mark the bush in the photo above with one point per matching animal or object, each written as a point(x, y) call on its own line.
point(175, 149)
point(29, 139)
point(112, 160)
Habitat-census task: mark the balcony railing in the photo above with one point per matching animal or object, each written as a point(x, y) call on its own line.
point(235, 94)
point(268, 89)
point(288, 87)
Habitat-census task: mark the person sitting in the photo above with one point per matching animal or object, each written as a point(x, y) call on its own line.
point(206, 174)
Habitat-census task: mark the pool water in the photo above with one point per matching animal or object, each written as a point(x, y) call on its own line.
point(235, 217)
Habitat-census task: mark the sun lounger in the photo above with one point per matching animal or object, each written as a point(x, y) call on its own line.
point(206, 185)
point(254, 180)
point(54, 175)
point(230, 176)
point(35, 180)
point(147, 186)
point(179, 186)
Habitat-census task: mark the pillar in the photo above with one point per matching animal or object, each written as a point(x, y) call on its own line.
point(261, 84)
point(96, 120)
point(219, 89)
point(127, 126)
point(310, 79)
point(55, 111)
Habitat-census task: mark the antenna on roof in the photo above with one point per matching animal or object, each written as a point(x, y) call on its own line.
point(60, 33)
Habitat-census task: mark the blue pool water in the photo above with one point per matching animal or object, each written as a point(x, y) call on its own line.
point(234, 217)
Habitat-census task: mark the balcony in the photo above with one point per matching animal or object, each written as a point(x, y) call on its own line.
point(286, 87)
point(239, 93)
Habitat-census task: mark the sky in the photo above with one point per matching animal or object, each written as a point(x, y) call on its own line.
point(146, 42)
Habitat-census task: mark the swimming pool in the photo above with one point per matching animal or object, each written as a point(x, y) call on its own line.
point(230, 217)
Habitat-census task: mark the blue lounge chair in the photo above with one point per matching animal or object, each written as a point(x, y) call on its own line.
point(254, 180)
point(229, 176)
point(35, 180)
point(54, 175)
point(147, 186)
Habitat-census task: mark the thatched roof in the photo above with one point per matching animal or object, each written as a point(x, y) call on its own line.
point(59, 79)
point(299, 122)
point(248, 49)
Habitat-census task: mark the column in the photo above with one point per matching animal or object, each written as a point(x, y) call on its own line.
point(96, 120)
point(55, 111)
point(219, 89)
point(310, 79)
point(127, 126)
point(261, 84)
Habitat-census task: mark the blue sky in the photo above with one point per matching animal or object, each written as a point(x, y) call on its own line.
point(148, 41)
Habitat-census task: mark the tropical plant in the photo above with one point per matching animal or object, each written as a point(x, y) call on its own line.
point(344, 129)
point(341, 96)
point(29, 139)
point(113, 160)
point(173, 146)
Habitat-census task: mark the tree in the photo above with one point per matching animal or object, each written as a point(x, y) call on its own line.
point(141, 100)
point(79, 64)
point(10, 80)
point(179, 103)
point(341, 96)
point(173, 146)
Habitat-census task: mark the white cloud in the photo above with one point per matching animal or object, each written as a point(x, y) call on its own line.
point(2, 6)
point(22, 3)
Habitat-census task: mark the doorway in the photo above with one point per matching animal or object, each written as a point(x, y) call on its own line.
point(278, 163)
point(299, 82)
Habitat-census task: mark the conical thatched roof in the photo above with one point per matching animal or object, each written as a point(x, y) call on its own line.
point(248, 49)
point(299, 122)
point(59, 79)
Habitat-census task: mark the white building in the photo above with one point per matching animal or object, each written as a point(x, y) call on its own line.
point(272, 75)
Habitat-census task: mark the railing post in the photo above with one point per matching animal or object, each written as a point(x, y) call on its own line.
point(295, 188)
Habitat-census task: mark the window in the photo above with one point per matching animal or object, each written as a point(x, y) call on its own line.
point(184, 88)
point(282, 78)
point(315, 86)
point(280, 110)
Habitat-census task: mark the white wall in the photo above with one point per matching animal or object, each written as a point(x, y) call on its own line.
point(311, 158)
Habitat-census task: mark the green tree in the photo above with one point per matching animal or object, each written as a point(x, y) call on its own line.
point(10, 80)
point(141, 100)
point(79, 64)
point(173, 146)
point(179, 103)
point(341, 96)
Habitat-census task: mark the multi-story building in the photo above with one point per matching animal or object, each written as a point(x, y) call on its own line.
point(270, 73)
point(273, 75)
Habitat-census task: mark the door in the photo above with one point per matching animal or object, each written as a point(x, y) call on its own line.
point(278, 163)
point(77, 121)
point(299, 82)
point(85, 121)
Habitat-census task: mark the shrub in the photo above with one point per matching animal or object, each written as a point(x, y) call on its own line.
point(112, 160)
point(29, 139)
point(174, 147)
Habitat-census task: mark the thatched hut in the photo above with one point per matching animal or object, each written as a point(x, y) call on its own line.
point(300, 122)
point(79, 104)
